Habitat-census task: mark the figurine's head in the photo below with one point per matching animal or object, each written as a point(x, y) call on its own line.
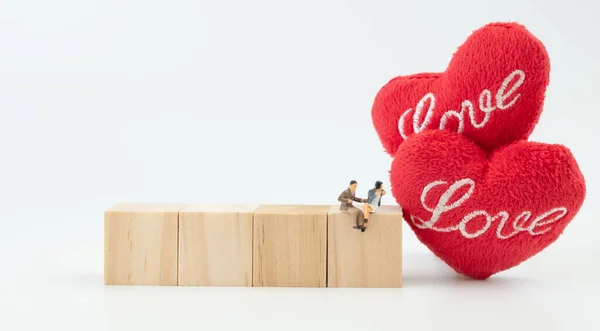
point(378, 184)
point(353, 185)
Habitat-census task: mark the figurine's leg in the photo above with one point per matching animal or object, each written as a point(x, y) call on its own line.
point(363, 217)
point(366, 211)
point(363, 220)
point(357, 215)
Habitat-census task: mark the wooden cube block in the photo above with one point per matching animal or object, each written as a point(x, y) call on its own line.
point(365, 259)
point(290, 246)
point(215, 245)
point(140, 244)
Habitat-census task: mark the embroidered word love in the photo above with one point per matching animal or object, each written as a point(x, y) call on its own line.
point(535, 228)
point(485, 106)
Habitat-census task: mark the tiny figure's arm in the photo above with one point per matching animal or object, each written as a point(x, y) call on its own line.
point(342, 197)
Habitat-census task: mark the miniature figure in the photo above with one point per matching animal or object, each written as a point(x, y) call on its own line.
point(373, 202)
point(346, 198)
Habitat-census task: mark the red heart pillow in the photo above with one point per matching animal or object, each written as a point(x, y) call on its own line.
point(492, 92)
point(484, 213)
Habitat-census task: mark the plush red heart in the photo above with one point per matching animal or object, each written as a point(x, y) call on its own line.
point(484, 213)
point(492, 92)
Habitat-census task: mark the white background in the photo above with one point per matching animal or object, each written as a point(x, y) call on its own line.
point(256, 102)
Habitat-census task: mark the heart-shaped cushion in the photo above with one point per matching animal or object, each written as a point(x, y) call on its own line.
point(484, 213)
point(492, 92)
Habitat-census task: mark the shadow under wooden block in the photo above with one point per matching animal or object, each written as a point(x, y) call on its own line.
point(140, 244)
point(215, 245)
point(290, 246)
point(365, 259)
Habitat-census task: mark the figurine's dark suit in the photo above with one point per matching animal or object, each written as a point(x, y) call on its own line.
point(348, 207)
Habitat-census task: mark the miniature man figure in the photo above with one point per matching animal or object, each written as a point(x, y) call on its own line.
point(373, 202)
point(346, 198)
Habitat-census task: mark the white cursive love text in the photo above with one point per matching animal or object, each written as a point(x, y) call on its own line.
point(467, 107)
point(537, 227)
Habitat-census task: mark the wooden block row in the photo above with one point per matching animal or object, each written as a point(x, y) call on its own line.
point(250, 245)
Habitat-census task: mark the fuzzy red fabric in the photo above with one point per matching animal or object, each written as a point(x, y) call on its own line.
point(474, 191)
point(492, 91)
point(482, 213)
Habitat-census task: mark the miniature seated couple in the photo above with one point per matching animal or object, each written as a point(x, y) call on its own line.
point(371, 203)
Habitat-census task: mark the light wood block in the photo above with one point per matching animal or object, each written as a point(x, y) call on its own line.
point(365, 259)
point(140, 244)
point(290, 246)
point(215, 245)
